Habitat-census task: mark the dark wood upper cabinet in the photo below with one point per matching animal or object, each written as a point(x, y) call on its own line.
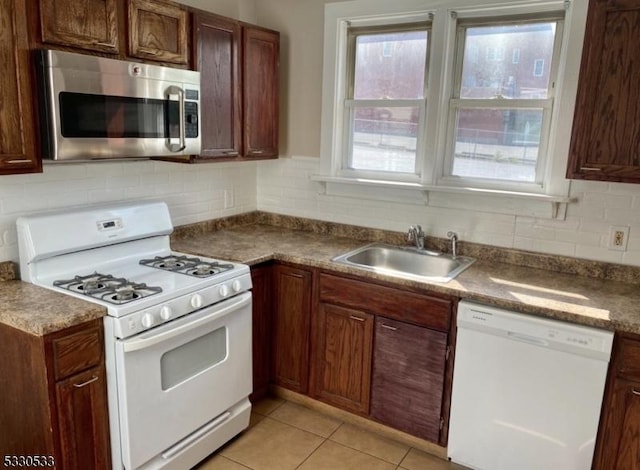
point(18, 152)
point(158, 31)
point(89, 24)
point(240, 96)
point(217, 56)
point(605, 143)
point(260, 87)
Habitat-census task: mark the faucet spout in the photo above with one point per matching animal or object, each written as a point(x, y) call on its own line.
point(454, 243)
point(417, 236)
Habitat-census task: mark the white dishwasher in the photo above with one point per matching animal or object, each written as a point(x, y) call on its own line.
point(527, 391)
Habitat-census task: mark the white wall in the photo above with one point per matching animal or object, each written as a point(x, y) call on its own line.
point(193, 192)
point(284, 186)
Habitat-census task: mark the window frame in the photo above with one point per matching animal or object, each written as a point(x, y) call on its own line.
point(351, 104)
point(339, 15)
point(446, 176)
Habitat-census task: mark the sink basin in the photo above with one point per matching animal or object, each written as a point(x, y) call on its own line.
point(406, 262)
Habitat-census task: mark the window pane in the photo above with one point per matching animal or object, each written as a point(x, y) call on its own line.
point(499, 60)
point(384, 139)
point(390, 65)
point(497, 143)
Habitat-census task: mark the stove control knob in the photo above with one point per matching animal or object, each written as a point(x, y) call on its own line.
point(236, 285)
point(196, 301)
point(147, 320)
point(224, 290)
point(165, 312)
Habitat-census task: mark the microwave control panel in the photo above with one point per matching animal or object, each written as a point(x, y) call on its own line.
point(191, 119)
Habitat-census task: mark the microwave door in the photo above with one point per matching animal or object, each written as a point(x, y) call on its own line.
point(175, 120)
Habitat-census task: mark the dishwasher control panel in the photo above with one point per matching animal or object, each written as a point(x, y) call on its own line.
point(536, 330)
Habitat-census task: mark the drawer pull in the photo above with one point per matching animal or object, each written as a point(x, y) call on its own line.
point(231, 154)
point(634, 391)
point(589, 168)
point(91, 380)
point(353, 317)
point(392, 328)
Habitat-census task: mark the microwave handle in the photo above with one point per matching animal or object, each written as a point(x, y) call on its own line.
point(179, 147)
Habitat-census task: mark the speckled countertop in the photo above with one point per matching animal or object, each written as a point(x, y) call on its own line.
point(609, 304)
point(589, 297)
point(40, 311)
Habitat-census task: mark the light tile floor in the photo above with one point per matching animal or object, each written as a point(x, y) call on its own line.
point(284, 436)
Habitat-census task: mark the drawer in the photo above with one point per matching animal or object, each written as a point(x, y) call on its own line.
point(628, 360)
point(77, 352)
point(425, 310)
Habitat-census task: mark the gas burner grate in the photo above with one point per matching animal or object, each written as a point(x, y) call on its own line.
point(191, 266)
point(115, 290)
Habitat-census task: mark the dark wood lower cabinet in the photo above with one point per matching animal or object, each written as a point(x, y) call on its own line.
point(408, 377)
point(291, 321)
point(618, 444)
point(342, 357)
point(54, 400)
point(261, 278)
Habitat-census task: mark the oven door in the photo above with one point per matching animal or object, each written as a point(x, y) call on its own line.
point(174, 379)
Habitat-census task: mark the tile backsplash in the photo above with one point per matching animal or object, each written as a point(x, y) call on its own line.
point(193, 192)
point(284, 187)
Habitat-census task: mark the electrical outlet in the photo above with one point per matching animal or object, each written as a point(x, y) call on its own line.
point(618, 237)
point(228, 199)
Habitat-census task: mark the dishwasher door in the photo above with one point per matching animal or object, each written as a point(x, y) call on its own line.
point(527, 391)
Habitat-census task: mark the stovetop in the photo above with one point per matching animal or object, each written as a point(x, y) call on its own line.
point(190, 266)
point(115, 290)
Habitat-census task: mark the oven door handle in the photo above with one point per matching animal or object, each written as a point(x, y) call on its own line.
point(143, 343)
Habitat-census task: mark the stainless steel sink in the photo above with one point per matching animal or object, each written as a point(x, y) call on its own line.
point(406, 262)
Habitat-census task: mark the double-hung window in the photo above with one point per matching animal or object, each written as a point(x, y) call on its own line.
point(454, 98)
point(500, 112)
point(384, 106)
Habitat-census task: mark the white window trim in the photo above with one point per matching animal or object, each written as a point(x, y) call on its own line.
point(339, 16)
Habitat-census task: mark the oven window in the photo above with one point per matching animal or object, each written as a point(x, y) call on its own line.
point(100, 116)
point(191, 358)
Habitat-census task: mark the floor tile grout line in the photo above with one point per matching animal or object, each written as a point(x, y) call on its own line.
point(303, 429)
point(367, 453)
point(404, 456)
point(236, 462)
point(313, 452)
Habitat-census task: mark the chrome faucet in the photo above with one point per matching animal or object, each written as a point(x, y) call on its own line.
point(416, 235)
point(453, 236)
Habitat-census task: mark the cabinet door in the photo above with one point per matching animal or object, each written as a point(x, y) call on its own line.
point(90, 24)
point(605, 142)
point(261, 50)
point(620, 439)
point(217, 54)
point(158, 31)
point(18, 152)
point(261, 278)
point(408, 377)
point(342, 360)
point(83, 420)
point(291, 320)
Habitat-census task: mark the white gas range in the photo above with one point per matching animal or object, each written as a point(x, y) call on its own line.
point(177, 330)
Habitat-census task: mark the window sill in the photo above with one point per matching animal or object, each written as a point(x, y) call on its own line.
point(482, 200)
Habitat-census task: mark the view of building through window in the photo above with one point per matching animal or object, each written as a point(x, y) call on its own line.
point(502, 142)
point(390, 69)
point(498, 107)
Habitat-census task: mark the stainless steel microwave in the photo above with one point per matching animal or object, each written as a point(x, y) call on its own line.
point(98, 108)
